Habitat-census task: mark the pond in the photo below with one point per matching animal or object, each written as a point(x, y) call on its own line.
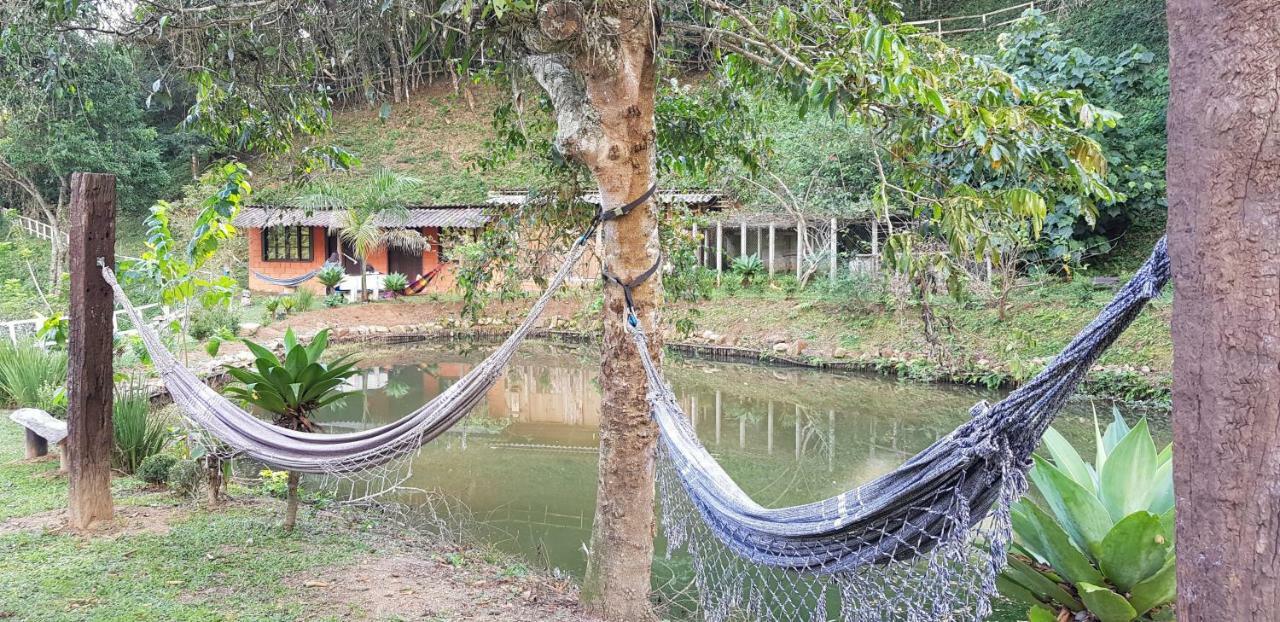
point(524, 462)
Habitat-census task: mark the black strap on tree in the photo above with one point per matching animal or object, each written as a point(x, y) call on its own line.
point(628, 287)
point(619, 212)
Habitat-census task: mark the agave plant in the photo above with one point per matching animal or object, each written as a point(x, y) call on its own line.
point(747, 267)
point(330, 276)
point(292, 389)
point(395, 282)
point(1103, 549)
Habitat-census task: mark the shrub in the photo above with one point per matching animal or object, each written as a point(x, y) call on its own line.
point(271, 305)
point(185, 477)
point(1105, 544)
point(27, 370)
point(334, 300)
point(219, 321)
point(287, 304)
point(138, 434)
point(395, 282)
point(155, 469)
point(303, 299)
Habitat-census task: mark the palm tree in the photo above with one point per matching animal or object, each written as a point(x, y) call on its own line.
point(369, 217)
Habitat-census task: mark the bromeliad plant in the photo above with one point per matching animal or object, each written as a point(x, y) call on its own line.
point(292, 389)
point(1103, 549)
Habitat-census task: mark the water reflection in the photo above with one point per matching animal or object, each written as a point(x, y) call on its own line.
point(524, 462)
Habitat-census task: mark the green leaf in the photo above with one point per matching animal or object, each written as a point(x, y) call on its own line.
point(1162, 489)
point(1158, 589)
point(1038, 531)
point(1135, 549)
point(1108, 606)
point(1045, 589)
point(1013, 591)
point(1116, 431)
point(1126, 479)
point(1068, 459)
point(1169, 526)
point(1041, 614)
point(1079, 511)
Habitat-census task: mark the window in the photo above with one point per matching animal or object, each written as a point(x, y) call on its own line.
point(287, 244)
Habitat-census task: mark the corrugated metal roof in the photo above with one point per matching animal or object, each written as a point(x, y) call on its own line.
point(260, 216)
point(717, 198)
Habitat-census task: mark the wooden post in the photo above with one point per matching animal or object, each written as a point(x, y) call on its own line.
point(89, 364)
point(834, 247)
point(717, 417)
point(698, 242)
point(36, 445)
point(875, 238)
point(719, 251)
point(799, 248)
point(742, 239)
point(771, 236)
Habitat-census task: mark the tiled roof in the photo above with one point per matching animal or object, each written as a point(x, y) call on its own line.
point(260, 216)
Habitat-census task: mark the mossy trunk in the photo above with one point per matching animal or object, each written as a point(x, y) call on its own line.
point(604, 115)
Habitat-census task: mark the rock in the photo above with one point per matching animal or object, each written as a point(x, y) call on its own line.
point(708, 335)
point(1146, 370)
point(781, 347)
point(248, 329)
point(839, 353)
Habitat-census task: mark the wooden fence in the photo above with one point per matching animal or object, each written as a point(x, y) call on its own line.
point(999, 18)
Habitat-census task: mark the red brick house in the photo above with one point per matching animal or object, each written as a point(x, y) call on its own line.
point(289, 243)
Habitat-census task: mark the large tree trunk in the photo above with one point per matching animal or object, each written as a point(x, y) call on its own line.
point(1224, 227)
point(605, 119)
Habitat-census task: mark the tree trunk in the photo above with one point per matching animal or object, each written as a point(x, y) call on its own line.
point(604, 111)
point(364, 284)
point(291, 508)
point(1224, 228)
point(213, 467)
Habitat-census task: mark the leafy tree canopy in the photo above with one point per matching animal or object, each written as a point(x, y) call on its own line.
point(70, 102)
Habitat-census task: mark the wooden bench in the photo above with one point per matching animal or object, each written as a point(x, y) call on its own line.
point(42, 429)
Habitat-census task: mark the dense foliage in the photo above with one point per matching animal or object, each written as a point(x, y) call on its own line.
point(1130, 82)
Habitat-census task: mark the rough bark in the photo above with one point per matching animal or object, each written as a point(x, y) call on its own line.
point(604, 109)
point(89, 361)
point(1224, 227)
point(291, 509)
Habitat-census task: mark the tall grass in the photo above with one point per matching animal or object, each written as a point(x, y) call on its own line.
point(138, 433)
point(303, 300)
point(28, 373)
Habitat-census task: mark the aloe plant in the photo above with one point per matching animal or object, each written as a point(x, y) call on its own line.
point(1100, 546)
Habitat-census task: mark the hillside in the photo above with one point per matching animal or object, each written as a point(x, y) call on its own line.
point(434, 136)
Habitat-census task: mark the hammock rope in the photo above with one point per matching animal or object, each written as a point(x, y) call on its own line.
point(923, 542)
point(344, 455)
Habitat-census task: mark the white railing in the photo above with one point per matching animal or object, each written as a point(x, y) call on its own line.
point(18, 330)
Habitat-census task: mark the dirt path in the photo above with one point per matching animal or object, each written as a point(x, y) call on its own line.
point(396, 585)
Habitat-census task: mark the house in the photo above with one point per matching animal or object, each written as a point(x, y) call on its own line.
point(287, 244)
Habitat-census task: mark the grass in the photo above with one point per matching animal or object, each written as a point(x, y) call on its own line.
point(211, 566)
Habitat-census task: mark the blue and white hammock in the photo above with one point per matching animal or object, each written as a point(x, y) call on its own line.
point(922, 543)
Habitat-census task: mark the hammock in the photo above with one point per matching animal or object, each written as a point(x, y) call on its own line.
point(295, 281)
point(350, 456)
point(924, 542)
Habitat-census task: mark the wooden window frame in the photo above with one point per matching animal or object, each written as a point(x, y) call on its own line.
point(278, 238)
